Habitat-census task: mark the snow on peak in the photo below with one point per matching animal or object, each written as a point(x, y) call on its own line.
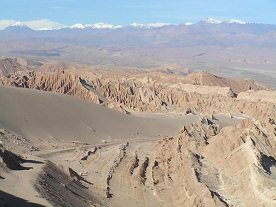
point(45, 29)
point(137, 25)
point(150, 25)
point(77, 26)
point(19, 24)
point(188, 23)
point(95, 26)
point(157, 24)
point(105, 26)
point(235, 21)
point(210, 20)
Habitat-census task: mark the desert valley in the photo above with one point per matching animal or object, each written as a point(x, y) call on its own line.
point(73, 135)
point(145, 114)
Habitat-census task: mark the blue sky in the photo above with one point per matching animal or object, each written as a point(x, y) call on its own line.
point(124, 12)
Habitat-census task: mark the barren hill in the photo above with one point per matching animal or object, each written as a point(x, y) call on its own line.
point(41, 115)
point(10, 66)
point(237, 85)
point(142, 91)
point(259, 96)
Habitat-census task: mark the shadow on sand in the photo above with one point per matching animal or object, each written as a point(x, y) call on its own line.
point(14, 161)
point(9, 200)
point(74, 174)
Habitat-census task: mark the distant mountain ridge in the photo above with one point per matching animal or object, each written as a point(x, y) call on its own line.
point(18, 27)
point(102, 25)
point(206, 32)
point(229, 47)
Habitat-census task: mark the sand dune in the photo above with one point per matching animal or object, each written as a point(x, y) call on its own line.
point(42, 115)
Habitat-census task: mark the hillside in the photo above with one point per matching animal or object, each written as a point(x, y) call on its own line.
point(237, 85)
point(65, 140)
point(142, 91)
point(42, 115)
point(10, 66)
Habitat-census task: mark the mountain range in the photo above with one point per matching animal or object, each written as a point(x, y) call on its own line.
point(231, 47)
point(206, 32)
point(101, 25)
point(115, 116)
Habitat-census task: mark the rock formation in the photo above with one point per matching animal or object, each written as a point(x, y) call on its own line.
point(10, 66)
point(223, 155)
point(237, 85)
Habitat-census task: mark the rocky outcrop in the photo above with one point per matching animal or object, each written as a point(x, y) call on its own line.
point(258, 96)
point(241, 151)
point(60, 190)
point(10, 66)
point(150, 92)
point(202, 131)
point(54, 67)
point(60, 82)
point(237, 85)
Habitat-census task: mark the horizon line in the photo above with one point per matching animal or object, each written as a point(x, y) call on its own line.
point(46, 24)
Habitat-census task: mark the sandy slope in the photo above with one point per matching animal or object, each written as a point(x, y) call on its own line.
point(223, 157)
point(231, 170)
point(42, 115)
point(19, 184)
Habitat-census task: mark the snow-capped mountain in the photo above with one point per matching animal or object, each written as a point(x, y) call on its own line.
point(150, 25)
point(18, 26)
point(111, 26)
point(235, 21)
point(49, 25)
point(210, 20)
point(105, 26)
point(77, 26)
point(210, 34)
point(46, 29)
point(95, 26)
point(188, 23)
point(99, 25)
